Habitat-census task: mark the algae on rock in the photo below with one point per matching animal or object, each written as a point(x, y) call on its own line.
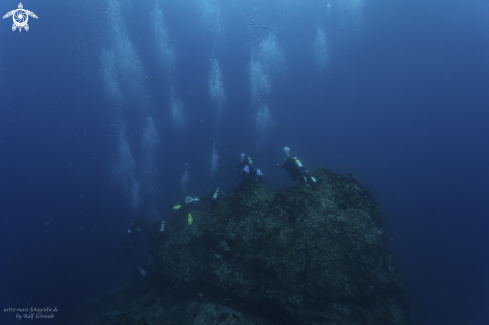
point(303, 255)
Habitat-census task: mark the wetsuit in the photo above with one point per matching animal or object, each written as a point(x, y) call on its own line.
point(214, 201)
point(296, 173)
point(243, 164)
point(134, 229)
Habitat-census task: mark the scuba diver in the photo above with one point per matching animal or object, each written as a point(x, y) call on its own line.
point(246, 167)
point(215, 199)
point(155, 230)
point(297, 171)
point(187, 204)
point(134, 229)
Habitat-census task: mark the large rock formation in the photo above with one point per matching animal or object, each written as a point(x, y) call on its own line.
point(302, 255)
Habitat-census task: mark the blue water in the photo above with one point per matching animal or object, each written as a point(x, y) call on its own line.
point(103, 104)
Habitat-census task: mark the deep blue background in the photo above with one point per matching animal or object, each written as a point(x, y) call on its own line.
point(403, 105)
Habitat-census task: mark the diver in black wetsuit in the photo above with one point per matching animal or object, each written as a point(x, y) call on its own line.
point(297, 172)
point(135, 228)
point(246, 166)
point(215, 199)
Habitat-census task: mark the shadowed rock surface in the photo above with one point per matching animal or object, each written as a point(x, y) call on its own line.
point(301, 255)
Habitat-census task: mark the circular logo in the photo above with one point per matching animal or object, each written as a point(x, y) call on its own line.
point(20, 18)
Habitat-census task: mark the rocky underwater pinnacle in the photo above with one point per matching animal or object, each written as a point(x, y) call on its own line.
point(301, 255)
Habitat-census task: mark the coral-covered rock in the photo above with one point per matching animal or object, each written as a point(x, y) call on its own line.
point(304, 255)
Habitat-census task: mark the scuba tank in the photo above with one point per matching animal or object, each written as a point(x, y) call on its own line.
point(250, 161)
point(162, 226)
point(297, 162)
point(216, 194)
point(142, 271)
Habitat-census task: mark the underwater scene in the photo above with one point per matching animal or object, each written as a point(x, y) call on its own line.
point(316, 162)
